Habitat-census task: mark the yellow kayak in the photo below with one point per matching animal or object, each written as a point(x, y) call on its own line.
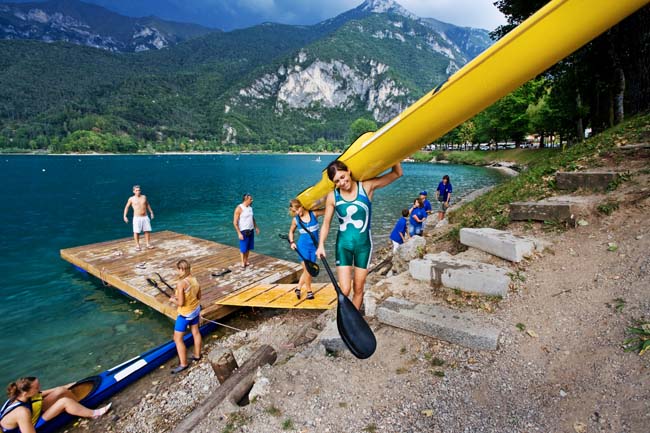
point(552, 33)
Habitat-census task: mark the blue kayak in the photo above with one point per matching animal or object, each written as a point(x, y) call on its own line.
point(93, 390)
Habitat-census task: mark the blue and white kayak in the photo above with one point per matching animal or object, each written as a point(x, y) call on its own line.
point(93, 390)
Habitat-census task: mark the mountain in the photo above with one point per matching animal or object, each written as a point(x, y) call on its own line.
point(87, 24)
point(271, 83)
point(380, 60)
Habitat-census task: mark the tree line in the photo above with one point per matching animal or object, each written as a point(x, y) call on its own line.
point(595, 88)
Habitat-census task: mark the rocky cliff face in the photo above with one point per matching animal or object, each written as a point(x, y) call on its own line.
point(313, 83)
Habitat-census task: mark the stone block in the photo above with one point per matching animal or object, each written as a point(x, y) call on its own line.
point(591, 180)
point(409, 250)
point(468, 276)
point(541, 211)
point(462, 328)
point(498, 242)
point(421, 269)
point(566, 208)
point(330, 339)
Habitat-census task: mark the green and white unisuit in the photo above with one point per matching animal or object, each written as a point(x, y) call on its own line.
point(353, 242)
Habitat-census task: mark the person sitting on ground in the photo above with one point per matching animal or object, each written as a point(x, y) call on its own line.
point(398, 235)
point(443, 195)
point(188, 300)
point(141, 222)
point(28, 408)
point(306, 246)
point(418, 215)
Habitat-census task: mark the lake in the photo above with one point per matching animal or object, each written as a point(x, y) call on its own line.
point(60, 324)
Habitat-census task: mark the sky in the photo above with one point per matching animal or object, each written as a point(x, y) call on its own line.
point(232, 14)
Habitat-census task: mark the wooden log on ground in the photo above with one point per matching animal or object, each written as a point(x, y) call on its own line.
point(223, 363)
point(239, 382)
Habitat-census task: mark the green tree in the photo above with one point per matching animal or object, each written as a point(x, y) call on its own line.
point(360, 127)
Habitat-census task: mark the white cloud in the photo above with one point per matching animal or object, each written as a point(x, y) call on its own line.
point(228, 14)
point(465, 13)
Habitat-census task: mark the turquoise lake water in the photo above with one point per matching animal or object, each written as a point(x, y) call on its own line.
point(60, 324)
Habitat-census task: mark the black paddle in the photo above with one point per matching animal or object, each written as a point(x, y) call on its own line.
point(165, 283)
point(311, 267)
point(153, 282)
point(353, 329)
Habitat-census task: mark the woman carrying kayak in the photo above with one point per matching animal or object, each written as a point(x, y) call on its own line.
point(351, 200)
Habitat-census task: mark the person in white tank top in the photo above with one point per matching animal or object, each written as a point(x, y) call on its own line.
point(245, 225)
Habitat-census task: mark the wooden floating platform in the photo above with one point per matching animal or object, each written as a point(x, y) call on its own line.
point(118, 264)
point(283, 296)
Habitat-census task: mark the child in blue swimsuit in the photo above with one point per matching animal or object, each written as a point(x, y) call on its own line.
point(305, 245)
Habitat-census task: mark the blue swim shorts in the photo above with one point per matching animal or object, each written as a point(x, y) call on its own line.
point(183, 322)
point(248, 243)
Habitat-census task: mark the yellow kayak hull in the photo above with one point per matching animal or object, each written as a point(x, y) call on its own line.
point(552, 33)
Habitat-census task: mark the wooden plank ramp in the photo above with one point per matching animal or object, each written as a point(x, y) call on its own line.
point(283, 296)
point(119, 265)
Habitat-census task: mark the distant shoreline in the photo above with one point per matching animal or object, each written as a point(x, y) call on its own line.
point(164, 153)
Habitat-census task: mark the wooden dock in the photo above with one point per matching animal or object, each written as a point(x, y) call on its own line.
point(119, 265)
point(283, 296)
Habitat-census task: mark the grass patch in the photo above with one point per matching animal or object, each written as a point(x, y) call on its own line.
point(437, 362)
point(439, 373)
point(620, 179)
point(422, 156)
point(521, 327)
point(370, 428)
point(492, 209)
point(608, 207)
point(402, 370)
point(236, 420)
point(517, 276)
point(287, 424)
point(554, 226)
point(640, 340)
point(619, 304)
point(343, 404)
point(273, 411)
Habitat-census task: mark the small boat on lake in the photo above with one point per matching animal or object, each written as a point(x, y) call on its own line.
point(317, 159)
point(92, 390)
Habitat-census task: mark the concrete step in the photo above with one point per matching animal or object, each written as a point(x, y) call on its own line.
point(498, 242)
point(446, 270)
point(565, 208)
point(461, 328)
point(591, 180)
point(330, 339)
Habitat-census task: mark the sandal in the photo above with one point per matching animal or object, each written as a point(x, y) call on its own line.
point(310, 295)
point(179, 369)
point(195, 359)
point(298, 293)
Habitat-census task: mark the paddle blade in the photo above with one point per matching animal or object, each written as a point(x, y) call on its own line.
point(312, 268)
point(354, 330)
